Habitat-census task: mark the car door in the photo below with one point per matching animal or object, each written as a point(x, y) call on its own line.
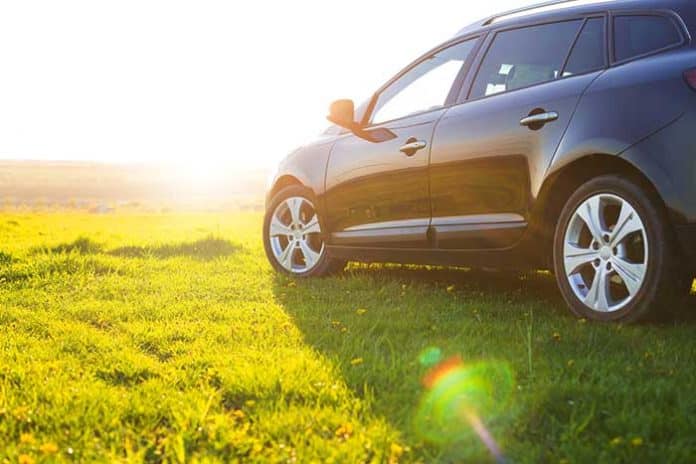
point(492, 150)
point(377, 194)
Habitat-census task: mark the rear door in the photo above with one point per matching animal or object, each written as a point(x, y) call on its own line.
point(378, 194)
point(492, 149)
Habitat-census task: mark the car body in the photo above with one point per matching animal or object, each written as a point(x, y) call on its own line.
point(482, 179)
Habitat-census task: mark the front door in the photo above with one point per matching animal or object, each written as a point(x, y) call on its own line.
point(378, 194)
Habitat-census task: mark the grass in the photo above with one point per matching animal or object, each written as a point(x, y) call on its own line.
point(167, 338)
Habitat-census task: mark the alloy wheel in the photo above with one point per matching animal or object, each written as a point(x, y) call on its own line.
point(605, 252)
point(295, 235)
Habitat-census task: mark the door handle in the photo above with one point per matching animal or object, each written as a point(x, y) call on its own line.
point(412, 146)
point(536, 121)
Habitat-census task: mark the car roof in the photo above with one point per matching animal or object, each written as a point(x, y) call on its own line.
point(552, 9)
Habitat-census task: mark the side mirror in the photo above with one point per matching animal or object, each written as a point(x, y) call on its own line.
point(342, 113)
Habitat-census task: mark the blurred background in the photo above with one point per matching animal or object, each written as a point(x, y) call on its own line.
point(161, 104)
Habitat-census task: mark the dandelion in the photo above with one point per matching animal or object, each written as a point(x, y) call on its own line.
point(48, 448)
point(344, 431)
point(356, 361)
point(616, 441)
point(25, 459)
point(238, 414)
point(395, 452)
point(26, 439)
point(637, 441)
point(360, 311)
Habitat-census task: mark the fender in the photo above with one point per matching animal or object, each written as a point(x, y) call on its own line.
point(307, 165)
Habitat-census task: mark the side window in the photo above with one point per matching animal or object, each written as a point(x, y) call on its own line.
point(640, 34)
point(425, 86)
point(588, 52)
point(522, 57)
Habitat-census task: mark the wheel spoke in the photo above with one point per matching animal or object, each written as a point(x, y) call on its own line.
point(575, 257)
point(632, 274)
point(285, 258)
point(597, 297)
point(312, 227)
point(295, 205)
point(311, 257)
point(591, 214)
point(628, 223)
point(278, 228)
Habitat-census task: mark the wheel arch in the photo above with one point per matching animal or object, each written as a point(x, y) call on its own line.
point(561, 184)
point(281, 182)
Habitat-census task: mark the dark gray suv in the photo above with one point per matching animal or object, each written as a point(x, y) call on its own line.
point(561, 136)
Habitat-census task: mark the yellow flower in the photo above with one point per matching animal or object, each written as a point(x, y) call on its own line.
point(450, 289)
point(637, 441)
point(25, 459)
point(48, 448)
point(571, 362)
point(344, 329)
point(26, 438)
point(616, 441)
point(361, 311)
point(356, 361)
point(396, 450)
point(344, 431)
point(238, 414)
point(250, 403)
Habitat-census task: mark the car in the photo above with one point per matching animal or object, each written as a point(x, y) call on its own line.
point(560, 137)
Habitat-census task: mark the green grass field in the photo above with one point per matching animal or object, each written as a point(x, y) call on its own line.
point(167, 338)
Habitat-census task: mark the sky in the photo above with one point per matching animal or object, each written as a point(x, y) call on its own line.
point(200, 83)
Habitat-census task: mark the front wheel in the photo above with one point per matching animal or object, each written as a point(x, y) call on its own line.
point(293, 237)
point(613, 257)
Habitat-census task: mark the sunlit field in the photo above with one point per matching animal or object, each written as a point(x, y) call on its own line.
point(167, 338)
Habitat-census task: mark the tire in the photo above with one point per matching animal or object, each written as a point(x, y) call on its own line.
point(636, 272)
point(294, 241)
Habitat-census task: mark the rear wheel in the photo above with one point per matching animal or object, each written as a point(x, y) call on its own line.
point(293, 237)
point(613, 257)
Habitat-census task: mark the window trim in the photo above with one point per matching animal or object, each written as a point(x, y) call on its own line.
point(465, 96)
point(605, 57)
point(454, 90)
point(674, 18)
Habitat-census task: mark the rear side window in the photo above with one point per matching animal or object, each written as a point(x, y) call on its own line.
point(641, 34)
point(522, 57)
point(588, 52)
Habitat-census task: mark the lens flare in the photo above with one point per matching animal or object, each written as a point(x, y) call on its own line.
point(459, 398)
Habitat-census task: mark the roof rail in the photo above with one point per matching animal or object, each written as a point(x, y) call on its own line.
point(536, 6)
